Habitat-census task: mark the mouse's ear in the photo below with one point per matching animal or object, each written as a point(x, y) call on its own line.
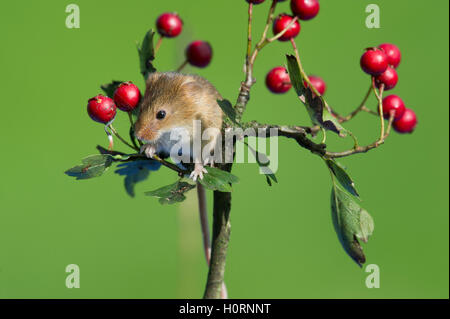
point(191, 87)
point(152, 78)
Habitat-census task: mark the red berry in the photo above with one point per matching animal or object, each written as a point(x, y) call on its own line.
point(305, 9)
point(406, 123)
point(199, 53)
point(278, 81)
point(393, 103)
point(281, 22)
point(101, 109)
point(374, 62)
point(393, 54)
point(255, 1)
point(127, 96)
point(169, 25)
point(318, 83)
point(389, 78)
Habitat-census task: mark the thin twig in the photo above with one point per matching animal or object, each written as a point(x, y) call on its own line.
point(158, 44)
point(360, 108)
point(365, 109)
point(249, 31)
point(380, 106)
point(113, 130)
point(173, 167)
point(182, 66)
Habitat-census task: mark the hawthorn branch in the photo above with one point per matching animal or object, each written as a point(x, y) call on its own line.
point(299, 134)
point(363, 149)
point(222, 201)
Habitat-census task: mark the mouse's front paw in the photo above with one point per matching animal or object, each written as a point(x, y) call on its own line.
point(198, 172)
point(149, 150)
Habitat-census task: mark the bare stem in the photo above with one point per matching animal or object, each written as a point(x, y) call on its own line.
point(299, 134)
point(379, 96)
point(113, 130)
point(249, 32)
point(158, 44)
point(204, 221)
point(361, 107)
point(182, 66)
point(221, 237)
point(170, 165)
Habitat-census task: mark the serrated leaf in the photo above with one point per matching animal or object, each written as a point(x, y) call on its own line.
point(295, 75)
point(135, 172)
point(351, 223)
point(110, 88)
point(315, 105)
point(147, 54)
point(173, 193)
point(344, 179)
point(229, 110)
point(92, 166)
point(218, 180)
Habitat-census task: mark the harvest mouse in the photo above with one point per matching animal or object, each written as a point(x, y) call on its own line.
point(172, 102)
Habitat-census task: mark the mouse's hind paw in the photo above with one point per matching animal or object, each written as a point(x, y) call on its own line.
point(198, 171)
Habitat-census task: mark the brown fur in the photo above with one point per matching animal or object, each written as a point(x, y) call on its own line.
point(184, 98)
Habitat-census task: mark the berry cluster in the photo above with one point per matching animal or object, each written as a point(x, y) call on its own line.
point(301, 9)
point(103, 109)
point(277, 80)
point(381, 63)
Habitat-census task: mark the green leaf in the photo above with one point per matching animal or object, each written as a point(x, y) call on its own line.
point(173, 193)
point(315, 105)
point(147, 54)
point(263, 162)
point(133, 137)
point(218, 180)
point(295, 75)
point(110, 88)
point(229, 110)
point(92, 166)
point(351, 223)
point(344, 179)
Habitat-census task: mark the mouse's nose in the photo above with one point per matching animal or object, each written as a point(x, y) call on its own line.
point(139, 135)
point(144, 134)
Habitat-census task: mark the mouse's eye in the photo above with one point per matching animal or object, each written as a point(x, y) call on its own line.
point(161, 114)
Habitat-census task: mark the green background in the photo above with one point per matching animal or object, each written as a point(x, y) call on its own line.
point(283, 244)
